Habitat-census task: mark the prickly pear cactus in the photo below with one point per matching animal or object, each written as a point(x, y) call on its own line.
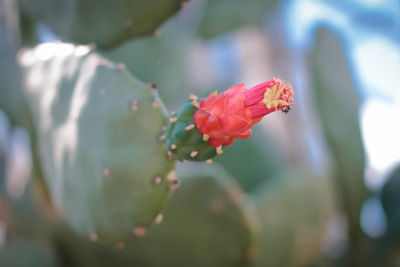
point(337, 103)
point(182, 138)
point(24, 252)
point(105, 23)
point(290, 216)
point(205, 223)
point(97, 131)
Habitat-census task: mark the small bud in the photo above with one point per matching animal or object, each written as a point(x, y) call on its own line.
point(184, 3)
point(159, 218)
point(193, 154)
point(128, 23)
point(156, 103)
point(171, 176)
point(189, 127)
point(157, 33)
point(172, 120)
point(158, 180)
point(195, 104)
point(134, 105)
point(163, 137)
point(209, 161)
point(93, 237)
point(173, 146)
point(119, 245)
point(139, 231)
point(121, 66)
point(173, 112)
point(92, 46)
point(153, 86)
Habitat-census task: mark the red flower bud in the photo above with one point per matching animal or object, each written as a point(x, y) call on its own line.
point(229, 115)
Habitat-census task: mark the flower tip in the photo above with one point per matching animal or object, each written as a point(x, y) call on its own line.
point(269, 96)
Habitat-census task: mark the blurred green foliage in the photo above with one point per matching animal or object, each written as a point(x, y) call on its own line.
point(293, 211)
point(338, 108)
point(105, 23)
point(221, 16)
point(391, 203)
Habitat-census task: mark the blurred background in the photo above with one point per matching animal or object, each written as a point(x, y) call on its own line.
point(322, 183)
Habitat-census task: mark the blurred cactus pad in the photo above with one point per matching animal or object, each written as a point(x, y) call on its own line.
point(94, 141)
point(95, 171)
point(105, 23)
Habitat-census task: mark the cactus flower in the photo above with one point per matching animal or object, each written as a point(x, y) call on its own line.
point(222, 118)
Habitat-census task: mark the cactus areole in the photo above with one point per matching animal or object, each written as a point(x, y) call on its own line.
point(200, 129)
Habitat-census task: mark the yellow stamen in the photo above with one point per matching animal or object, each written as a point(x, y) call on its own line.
point(219, 150)
point(272, 96)
point(206, 137)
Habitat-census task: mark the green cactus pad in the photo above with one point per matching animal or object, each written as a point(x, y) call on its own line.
point(97, 130)
point(204, 225)
point(338, 106)
point(182, 138)
point(24, 252)
point(294, 212)
point(105, 23)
